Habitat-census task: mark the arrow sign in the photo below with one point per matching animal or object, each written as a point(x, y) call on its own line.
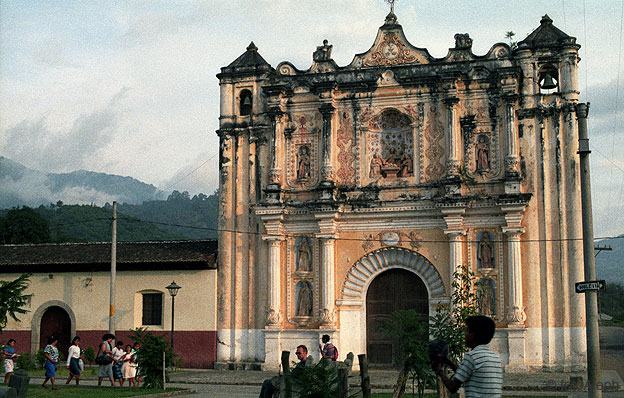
point(582, 287)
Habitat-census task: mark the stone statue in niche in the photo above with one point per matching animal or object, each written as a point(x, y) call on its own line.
point(485, 253)
point(303, 162)
point(322, 53)
point(304, 299)
point(375, 166)
point(482, 153)
point(486, 296)
point(304, 256)
point(407, 166)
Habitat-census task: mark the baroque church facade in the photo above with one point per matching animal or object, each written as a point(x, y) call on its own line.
point(349, 192)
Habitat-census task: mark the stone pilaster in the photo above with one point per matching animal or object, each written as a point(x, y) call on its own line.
point(513, 218)
point(274, 313)
point(328, 233)
point(512, 157)
point(455, 231)
point(327, 171)
point(453, 160)
point(274, 186)
point(327, 308)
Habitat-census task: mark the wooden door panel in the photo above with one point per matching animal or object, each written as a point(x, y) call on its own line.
point(390, 291)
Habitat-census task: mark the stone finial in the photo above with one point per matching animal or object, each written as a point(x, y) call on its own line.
point(546, 20)
point(322, 53)
point(463, 41)
point(252, 47)
point(391, 19)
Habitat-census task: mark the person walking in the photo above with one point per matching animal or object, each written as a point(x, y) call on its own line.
point(118, 356)
point(105, 359)
point(51, 359)
point(328, 350)
point(73, 360)
point(128, 368)
point(9, 357)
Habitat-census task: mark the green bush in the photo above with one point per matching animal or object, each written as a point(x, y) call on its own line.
point(25, 361)
point(318, 381)
point(150, 357)
point(89, 354)
point(40, 358)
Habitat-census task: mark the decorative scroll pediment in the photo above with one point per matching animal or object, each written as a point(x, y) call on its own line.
point(391, 48)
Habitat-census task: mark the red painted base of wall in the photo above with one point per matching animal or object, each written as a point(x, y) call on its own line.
point(197, 349)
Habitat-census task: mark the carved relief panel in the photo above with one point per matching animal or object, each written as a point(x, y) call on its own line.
point(485, 257)
point(389, 146)
point(303, 150)
point(346, 143)
point(433, 144)
point(303, 280)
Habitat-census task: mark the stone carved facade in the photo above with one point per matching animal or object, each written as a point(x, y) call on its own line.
point(401, 161)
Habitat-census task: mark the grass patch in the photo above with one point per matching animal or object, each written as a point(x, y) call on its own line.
point(434, 395)
point(35, 391)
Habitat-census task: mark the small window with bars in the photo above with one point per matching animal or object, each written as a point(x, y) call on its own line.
point(152, 308)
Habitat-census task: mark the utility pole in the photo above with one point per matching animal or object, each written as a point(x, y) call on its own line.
point(111, 314)
point(591, 297)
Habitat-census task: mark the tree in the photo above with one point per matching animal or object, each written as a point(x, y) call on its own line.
point(410, 329)
point(449, 323)
point(12, 299)
point(509, 36)
point(24, 225)
point(150, 357)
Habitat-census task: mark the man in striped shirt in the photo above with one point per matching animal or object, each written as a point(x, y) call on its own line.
point(480, 371)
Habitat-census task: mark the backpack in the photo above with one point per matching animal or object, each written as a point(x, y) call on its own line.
point(334, 352)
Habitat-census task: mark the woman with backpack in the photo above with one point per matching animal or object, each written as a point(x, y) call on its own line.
point(104, 359)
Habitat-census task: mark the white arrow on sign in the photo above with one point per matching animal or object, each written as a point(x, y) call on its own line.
point(589, 286)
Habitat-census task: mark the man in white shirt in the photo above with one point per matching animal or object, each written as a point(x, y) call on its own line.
point(480, 371)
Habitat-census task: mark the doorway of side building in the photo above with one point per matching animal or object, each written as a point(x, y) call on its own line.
point(392, 290)
point(56, 322)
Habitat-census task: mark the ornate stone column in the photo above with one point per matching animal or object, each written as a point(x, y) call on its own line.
point(328, 301)
point(512, 158)
point(516, 315)
point(454, 220)
point(327, 171)
point(275, 173)
point(452, 162)
point(274, 313)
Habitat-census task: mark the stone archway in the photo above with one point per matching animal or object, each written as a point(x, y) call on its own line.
point(58, 310)
point(352, 304)
point(368, 267)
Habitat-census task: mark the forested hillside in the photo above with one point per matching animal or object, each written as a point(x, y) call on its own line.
point(198, 214)
point(180, 217)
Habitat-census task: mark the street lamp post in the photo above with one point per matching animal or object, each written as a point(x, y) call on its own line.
point(173, 291)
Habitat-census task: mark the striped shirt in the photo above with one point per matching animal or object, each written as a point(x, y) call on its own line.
point(481, 373)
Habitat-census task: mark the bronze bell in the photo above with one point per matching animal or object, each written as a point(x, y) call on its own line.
point(548, 82)
point(247, 101)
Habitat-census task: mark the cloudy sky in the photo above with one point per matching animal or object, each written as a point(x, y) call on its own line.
point(129, 87)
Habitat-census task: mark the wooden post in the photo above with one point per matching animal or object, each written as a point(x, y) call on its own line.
point(343, 383)
point(366, 386)
point(164, 376)
point(286, 368)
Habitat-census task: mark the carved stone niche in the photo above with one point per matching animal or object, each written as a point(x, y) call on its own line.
point(389, 146)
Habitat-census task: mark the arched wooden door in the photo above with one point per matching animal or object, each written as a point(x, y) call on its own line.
point(55, 321)
point(392, 290)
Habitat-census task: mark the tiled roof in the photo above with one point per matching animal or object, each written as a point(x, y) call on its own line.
point(195, 254)
point(546, 35)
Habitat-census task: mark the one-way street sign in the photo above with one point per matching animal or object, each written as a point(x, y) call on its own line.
point(582, 287)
